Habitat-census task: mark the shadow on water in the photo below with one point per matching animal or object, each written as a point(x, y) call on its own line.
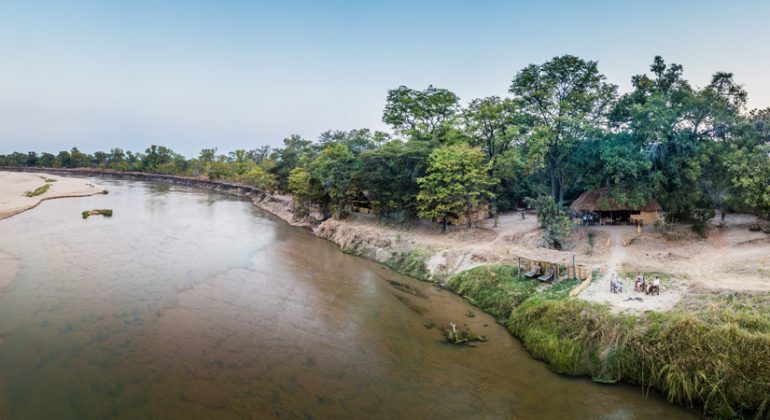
point(187, 303)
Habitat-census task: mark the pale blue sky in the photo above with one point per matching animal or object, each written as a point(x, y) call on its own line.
point(238, 74)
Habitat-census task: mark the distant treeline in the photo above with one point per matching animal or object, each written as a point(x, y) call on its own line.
point(563, 130)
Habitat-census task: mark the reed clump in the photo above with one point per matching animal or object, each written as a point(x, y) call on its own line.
point(454, 336)
point(38, 191)
point(97, 212)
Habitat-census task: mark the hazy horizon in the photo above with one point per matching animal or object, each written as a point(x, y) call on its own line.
point(239, 75)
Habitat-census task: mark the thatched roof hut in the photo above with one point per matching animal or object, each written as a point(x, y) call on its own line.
point(600, 203)
point(599, 200)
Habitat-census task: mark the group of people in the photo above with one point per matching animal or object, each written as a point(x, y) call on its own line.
point(640, 285)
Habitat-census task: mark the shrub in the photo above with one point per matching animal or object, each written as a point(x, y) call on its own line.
point(38, 191)
point(553, 219)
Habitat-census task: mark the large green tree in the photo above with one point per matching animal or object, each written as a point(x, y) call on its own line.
point(297, 151)
point(685, 131)
point(457, 183)
point(333, 169)
point(422, 114)
point(388, 177)
point(748, 164)
point(564, 99)
point(495, 125)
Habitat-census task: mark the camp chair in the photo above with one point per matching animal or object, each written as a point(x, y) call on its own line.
point(533, 272)
point(653, 290)
point(547, 276)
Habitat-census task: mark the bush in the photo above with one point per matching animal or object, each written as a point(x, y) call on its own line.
point(38, 191)
point(96, 212)
point(701, 219)
point(553, 219)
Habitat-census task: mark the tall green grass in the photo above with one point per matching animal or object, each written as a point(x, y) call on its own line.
point(411, 263)
point(494, 288)
point(712, 353)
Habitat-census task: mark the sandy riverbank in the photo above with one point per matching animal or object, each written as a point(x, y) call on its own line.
point(15, 185)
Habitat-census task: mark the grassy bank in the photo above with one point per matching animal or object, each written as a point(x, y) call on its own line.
point(713, 353)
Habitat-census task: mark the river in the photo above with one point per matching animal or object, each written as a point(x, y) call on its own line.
point(191, 304)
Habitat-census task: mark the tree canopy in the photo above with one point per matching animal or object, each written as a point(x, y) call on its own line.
point(563, 129)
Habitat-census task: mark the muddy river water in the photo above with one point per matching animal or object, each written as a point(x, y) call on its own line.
point(190, 304)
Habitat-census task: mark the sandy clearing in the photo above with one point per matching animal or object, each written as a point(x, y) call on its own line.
point(730, 258)
point(671, 291)
point(13, 186)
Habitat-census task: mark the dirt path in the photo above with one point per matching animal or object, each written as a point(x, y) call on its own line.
point(672, 290)
point(617, 251)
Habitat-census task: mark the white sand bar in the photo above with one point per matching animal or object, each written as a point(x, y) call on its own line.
point(15, 185)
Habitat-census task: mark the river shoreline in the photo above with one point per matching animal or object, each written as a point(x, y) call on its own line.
point(664, 351)
point(19, 193)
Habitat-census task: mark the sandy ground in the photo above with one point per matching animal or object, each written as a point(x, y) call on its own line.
point(13, 185)
point(729, 259)
point(461, 248)
point(671, 290)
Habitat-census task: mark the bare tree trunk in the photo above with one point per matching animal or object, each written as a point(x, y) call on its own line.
point(468, 214)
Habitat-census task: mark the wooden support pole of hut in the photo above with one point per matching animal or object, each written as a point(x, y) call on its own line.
point(519, 270)
point(574, 271)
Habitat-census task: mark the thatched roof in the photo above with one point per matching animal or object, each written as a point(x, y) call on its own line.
point(599, 200)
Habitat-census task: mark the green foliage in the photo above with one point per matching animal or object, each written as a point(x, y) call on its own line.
point(421, 114)
point(38, 191)
point(454, 336)
point(299, 185)
point(616, 161)
point(564, 100)
point(700, 359)
point(410, 263)
point(457, 183)
point(684, 130)
point(388, 174)
point(562, 131)
point(296, 152)
point(333, 169)
point(494, 288)
point(701, 219)
point(305, 190)
point(158, 158)
point(97, 212)
point(258, 177)
point(553, 220)
point(750, 176)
